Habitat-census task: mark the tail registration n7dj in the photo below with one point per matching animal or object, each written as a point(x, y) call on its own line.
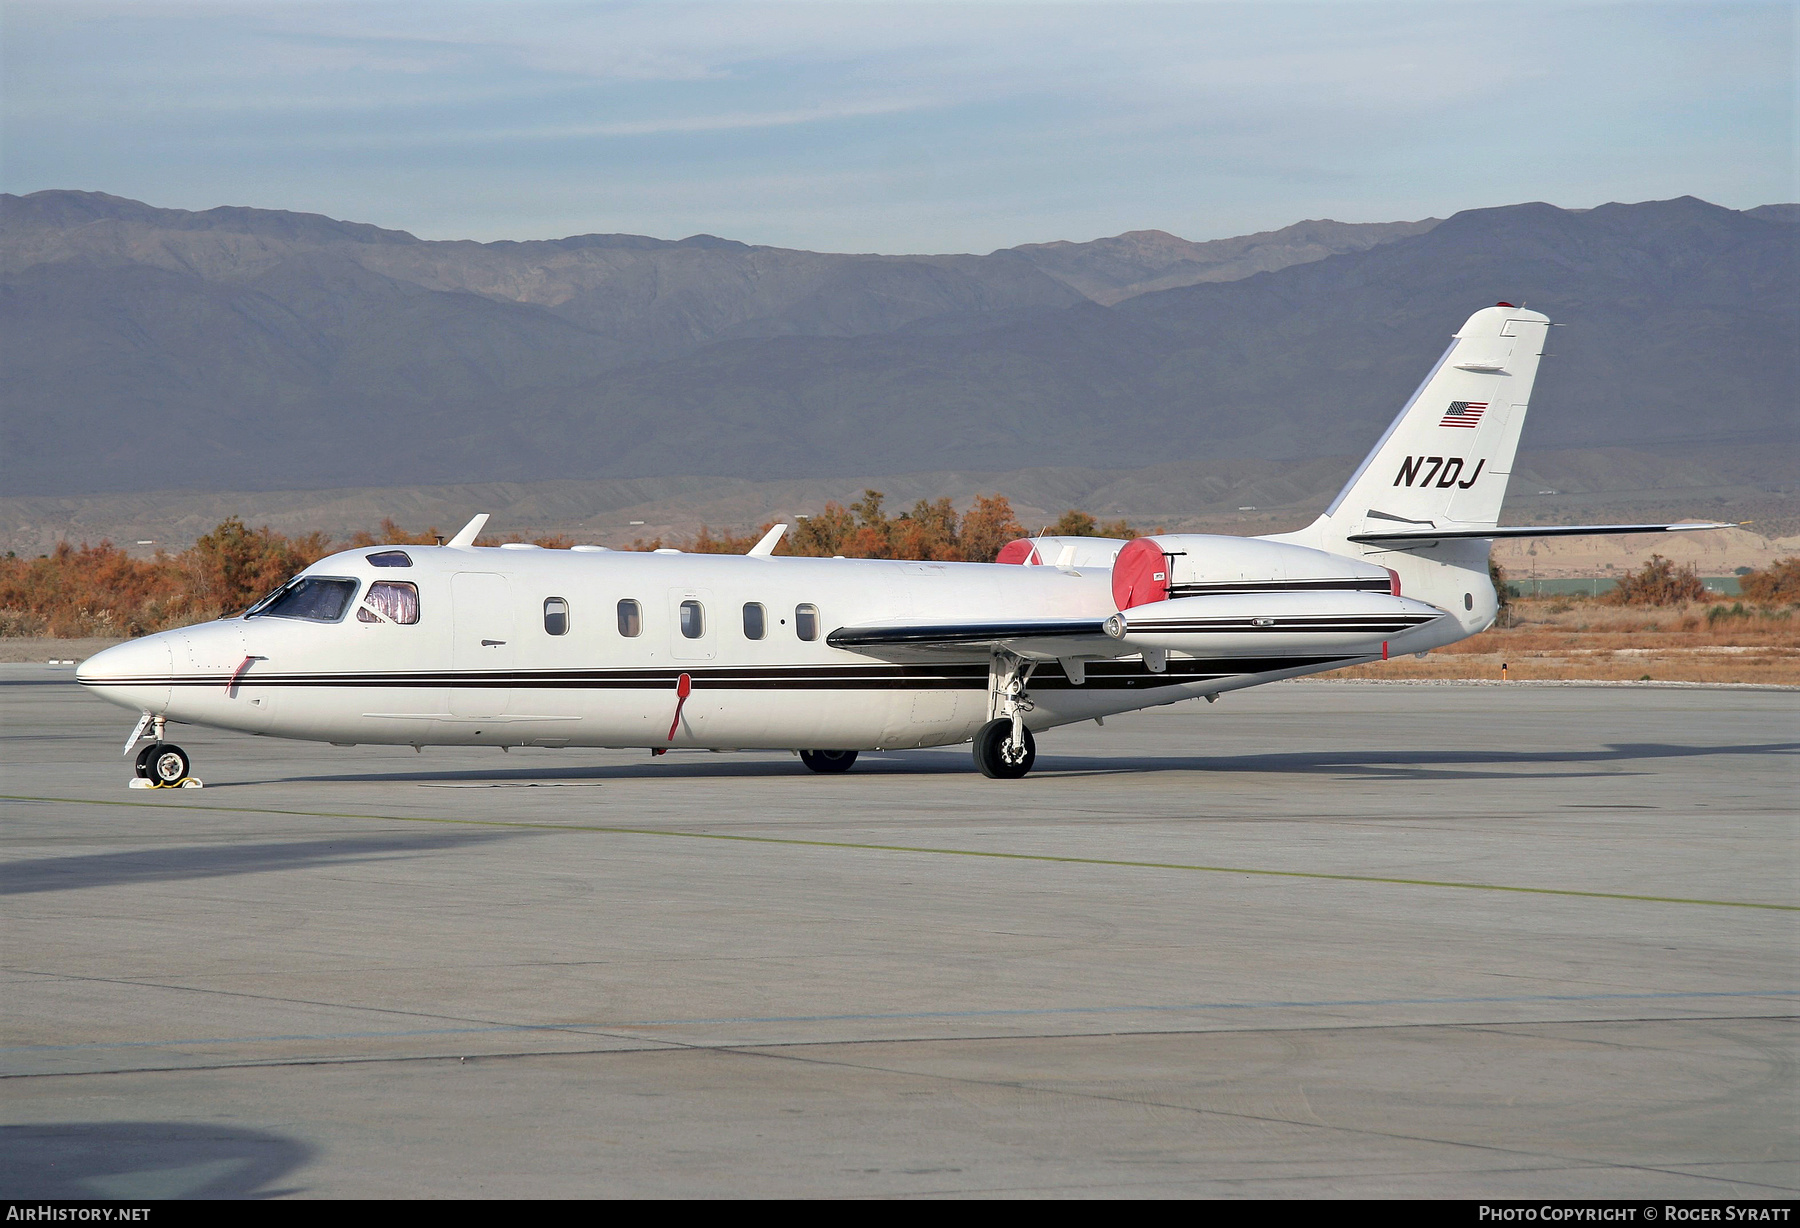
point(459, 645)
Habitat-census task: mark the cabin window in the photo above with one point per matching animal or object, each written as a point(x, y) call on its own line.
point(390, 558)
point(556, 616)
point(806, 622)
point(693, 620)
point(756, 621)
point(313, 598)
point(631, 619)
point(394, 601)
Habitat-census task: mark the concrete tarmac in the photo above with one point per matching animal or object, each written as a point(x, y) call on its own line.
point(1317, 940)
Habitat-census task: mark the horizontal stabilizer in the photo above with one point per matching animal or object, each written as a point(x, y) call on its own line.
point(1535, 530)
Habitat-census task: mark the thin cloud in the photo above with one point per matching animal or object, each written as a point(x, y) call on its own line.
point(896, 126)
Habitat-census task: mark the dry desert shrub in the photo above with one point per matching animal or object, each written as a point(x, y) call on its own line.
point(1584, 638)
point(82, 591)
point(100, 591)
point(1777, 583)
point(864, 530)
point(1659, 582)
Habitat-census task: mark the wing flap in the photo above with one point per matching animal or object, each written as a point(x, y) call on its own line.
point(1041, 639)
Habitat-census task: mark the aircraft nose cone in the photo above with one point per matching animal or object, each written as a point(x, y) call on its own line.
point(147, 657)
point(134, 674)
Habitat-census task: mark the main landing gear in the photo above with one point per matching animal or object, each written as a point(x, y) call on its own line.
point(999, 756)
point(828, 760)
point(1004, 748)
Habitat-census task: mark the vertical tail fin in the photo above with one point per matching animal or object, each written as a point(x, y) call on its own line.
point(1444, 463)
point(1446, 459)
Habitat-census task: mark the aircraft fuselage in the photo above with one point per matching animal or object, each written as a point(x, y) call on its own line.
point(527, 647)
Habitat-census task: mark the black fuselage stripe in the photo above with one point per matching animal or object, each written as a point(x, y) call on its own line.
point(1098, 673)
point(1383, 585)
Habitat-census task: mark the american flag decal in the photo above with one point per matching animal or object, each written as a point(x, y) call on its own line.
point(1464, 413)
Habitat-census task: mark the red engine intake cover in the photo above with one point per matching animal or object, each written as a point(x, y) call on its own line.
point(1020, 550)
point(1140, 574)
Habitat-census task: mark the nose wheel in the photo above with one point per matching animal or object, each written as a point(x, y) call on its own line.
point(164, 765)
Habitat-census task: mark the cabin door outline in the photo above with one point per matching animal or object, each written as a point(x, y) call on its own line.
point(482, 647)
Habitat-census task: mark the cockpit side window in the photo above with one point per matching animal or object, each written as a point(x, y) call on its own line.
point(318, 599)
point(394, 601)
point(262, 603)
point(390, 558)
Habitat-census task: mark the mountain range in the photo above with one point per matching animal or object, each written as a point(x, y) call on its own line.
point(242, 349)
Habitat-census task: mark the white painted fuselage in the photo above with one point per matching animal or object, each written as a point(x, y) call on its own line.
point(481, 666)
point(519, 646)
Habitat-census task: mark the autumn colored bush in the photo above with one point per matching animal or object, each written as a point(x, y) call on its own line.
point(93, 590)
point(1502, 594)
point(1776, 584)
point(930, 531)
point(391, 534)
point(1658, 582)
point(230, 567)
point(102, 591)
point(1075, 523)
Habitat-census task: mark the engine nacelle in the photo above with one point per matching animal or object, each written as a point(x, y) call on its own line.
point(1264, 624)
point(1172, 566)
point(1062, 551)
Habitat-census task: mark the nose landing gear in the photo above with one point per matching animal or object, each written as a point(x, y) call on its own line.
point(164, 766)
point(160, 765)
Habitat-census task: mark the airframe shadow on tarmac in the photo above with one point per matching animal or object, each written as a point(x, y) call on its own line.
point(157, 865)
point(144, 1159)
point(1385, 764)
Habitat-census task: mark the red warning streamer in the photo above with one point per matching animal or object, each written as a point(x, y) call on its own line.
point(242, 669)
point(684, 686)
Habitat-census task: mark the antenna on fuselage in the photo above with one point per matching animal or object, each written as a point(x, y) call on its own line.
point(764, 548)
point(470, 531)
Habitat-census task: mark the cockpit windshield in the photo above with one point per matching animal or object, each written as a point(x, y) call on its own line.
point(315, 598)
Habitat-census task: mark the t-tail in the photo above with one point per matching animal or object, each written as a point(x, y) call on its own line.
point(1445, 461)
point(1426, 502)
point(1442, 468)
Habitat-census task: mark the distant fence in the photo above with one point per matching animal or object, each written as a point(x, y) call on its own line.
point(1594, 586)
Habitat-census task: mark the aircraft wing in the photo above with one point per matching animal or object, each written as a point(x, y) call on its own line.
point(1039, 639)
point(1537, 530)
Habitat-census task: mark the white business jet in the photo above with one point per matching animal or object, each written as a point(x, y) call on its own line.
point(509, 646)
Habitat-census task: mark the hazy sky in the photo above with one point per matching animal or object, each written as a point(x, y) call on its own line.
point(896, 127)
